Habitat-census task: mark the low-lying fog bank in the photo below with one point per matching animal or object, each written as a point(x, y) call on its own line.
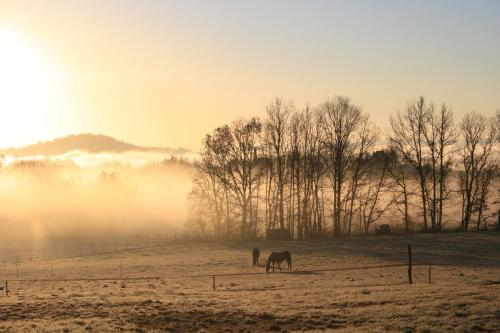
point(104, 198)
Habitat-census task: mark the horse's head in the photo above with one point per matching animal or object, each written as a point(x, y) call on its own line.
point(269, 261)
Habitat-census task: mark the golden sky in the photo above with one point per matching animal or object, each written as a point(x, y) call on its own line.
point(164, 73)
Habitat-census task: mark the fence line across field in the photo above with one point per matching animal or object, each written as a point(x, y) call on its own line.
point(409, 264)
point(138, 278)
point(141, 278)
point(90, 248)
point(298, 271)
point(17, 261)
point(321, 270)
point(308, 271)
point(213, 276)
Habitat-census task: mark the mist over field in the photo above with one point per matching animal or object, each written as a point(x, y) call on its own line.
point(91, 195)
point(249, 166)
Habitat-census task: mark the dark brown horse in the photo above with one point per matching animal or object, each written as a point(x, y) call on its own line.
point(255, 255)
point(277, 258)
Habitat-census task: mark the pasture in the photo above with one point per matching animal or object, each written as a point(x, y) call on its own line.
point(170, 288)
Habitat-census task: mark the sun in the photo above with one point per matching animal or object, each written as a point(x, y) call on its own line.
point(27, 79)
point(23, 71)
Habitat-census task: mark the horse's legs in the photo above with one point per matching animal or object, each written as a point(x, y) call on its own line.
point(279, 266)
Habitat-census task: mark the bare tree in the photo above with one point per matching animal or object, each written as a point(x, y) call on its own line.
point(275, 135)
point(478, 135)
point(297, 138)
point(401, 175)
point(363, 145)
point(497, 125)
point(340, 119)
point(440, 137)
point(483, 183)
point(373, 185)
point(230, 153)
point(408, 140)
point(206, 203)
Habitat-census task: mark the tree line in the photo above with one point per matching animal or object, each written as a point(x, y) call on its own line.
point(329, 171)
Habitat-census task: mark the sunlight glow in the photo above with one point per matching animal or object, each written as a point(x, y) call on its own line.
point(27, 81)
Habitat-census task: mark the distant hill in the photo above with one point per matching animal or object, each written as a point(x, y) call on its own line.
point(90, 143)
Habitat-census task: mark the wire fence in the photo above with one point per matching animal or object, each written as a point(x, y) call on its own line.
point(213, 276)
point(84, 249)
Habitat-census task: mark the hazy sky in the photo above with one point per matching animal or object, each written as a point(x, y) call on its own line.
point(167, 72)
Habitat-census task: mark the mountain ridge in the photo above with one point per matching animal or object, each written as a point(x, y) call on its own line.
point(87, 142)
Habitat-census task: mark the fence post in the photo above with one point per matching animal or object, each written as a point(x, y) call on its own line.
point(429, 273)
point(380, 262)
point(213, 281)
point(410, 281)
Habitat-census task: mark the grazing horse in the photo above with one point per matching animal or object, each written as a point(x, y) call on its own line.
point(277, 258)
point(256, 255)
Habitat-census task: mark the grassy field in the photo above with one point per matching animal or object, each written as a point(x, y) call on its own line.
point(464, 295)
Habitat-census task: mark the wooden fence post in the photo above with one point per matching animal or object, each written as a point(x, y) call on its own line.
point(410, 281)
point(380, 262)
point(213, 281)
